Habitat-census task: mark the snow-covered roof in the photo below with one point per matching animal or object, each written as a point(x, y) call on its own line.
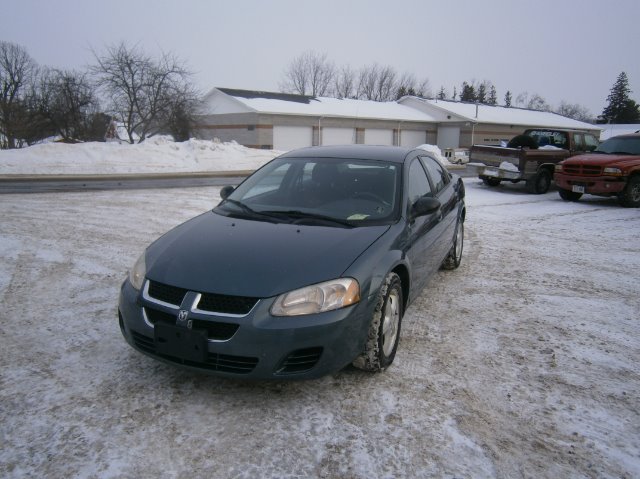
point(287, 104)
point(609, 130)
point(479, 113)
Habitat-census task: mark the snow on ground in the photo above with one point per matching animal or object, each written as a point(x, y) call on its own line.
point(521, 363)
point(154, 155)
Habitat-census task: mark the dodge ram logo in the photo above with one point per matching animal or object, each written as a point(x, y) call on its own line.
point(183, 315)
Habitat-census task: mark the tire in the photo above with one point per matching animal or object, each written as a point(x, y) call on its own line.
point(569, 195)
point(491, 181)
point(540, 183)
point(384, 330)
point(630, 196)
point(453, 259)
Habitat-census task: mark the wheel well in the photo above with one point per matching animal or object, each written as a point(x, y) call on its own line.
point(549, 167)
point(402, 272)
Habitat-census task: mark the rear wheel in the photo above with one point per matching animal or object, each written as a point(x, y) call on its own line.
point(540, 183)
point(453, 259)
point(384, 331)
point(630, 196)
point(569, 195)
point(490, 181)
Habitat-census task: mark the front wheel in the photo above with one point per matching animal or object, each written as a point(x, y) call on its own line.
point(568, 195)
point(630, 196)
point(384, 331)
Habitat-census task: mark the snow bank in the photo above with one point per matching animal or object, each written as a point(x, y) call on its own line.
point(155, 155)
point(435, 151)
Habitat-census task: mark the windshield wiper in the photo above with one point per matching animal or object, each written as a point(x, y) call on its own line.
point(304, 215)
point(250, 212)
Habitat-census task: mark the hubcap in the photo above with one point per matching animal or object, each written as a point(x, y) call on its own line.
point(635, 192)
point(390, 323)
point(459, 242)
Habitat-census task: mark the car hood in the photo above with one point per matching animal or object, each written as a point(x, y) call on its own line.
point(602, 159)
point(218, 254)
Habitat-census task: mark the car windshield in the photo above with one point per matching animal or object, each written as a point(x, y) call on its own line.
point(620, 145)
point(325, 191)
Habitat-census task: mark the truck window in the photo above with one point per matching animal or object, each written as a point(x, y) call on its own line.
point(590, 142)
point(549, 137)
point(578, 142)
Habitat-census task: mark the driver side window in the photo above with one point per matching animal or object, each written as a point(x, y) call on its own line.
point(418, 182)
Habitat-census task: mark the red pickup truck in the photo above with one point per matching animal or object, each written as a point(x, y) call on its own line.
point(613, 169)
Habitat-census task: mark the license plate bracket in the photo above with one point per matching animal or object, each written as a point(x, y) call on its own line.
point(180, 342)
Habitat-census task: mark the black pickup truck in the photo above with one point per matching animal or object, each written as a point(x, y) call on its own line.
point(530, 157)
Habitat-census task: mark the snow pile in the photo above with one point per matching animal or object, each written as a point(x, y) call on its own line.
point(435, 151)
point(156, 155)
point(505, 165)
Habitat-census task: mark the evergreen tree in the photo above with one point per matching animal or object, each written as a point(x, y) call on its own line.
point(493, 96)
point(468, 93)
point(442, 94)
point(455, 94)
point(481, 96)
point(620, 108)
point(507, 99)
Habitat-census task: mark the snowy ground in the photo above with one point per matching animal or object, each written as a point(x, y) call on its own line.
point(521, 363)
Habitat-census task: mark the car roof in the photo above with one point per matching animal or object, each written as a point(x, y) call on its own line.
point(356, 152)
point(628, 135)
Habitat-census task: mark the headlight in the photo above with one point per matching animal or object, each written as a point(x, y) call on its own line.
point(137, 273)
point(558, 167)
point(612, 171)
point(317, 298)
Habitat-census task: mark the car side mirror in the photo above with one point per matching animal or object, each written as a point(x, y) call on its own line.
point(425, 205)
point(226, 191)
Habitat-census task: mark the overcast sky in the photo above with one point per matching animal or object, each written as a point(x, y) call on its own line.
point(570, 50)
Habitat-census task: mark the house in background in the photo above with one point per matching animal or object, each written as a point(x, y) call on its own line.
point(464, 124)
point(283, 121)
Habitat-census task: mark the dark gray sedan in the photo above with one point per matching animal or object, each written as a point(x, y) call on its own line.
point(303, 269)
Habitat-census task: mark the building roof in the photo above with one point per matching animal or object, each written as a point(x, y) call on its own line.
point(288, 104)
point(479, 113)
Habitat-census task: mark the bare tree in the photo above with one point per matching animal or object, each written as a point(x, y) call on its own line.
point(533, 102)
point(16, 72)
point(310, 73)
point(140, 88)
point(67, 101)
point(575, 111)
point(377, 83)
point(344, 85)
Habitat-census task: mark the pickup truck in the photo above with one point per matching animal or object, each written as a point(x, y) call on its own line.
point(613, 169)
point(530, 157)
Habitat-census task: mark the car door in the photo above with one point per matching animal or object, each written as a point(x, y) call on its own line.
point(422, 230)
point(443, 190)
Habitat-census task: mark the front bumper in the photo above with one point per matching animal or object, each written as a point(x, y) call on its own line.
point(256, 345)
point(594, 185)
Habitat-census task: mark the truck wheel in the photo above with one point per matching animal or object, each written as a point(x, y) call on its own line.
point(630, 196)
point(384, 331)
point(540, 183)
point(490, 181)
point(569, 195)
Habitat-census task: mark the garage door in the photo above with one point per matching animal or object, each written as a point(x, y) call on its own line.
point(411, 139)
point(448, 137)
point(287, 138)
point(377, 136)
point(338, 136)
